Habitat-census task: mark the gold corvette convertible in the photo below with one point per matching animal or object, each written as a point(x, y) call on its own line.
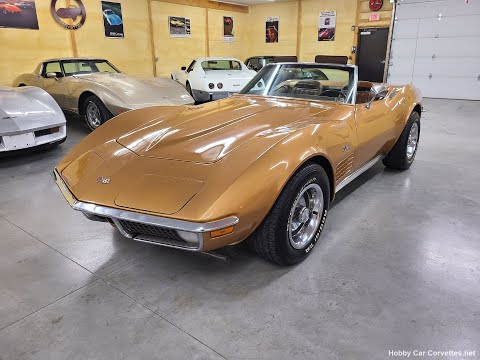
point(261, 166)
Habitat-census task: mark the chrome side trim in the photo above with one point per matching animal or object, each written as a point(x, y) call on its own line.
point(112, 213)
point(357, 173)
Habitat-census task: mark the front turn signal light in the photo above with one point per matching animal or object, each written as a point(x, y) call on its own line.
point(222, 232)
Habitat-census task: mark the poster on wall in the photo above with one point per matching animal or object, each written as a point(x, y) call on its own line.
point(179, 27)
point(326, 26)
point(18, 14)
point(112, 19)
point(271, 29)
point(228, 35)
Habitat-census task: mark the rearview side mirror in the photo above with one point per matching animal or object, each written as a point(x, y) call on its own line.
point(183, 68)
point(51, 75)
point(377, 92)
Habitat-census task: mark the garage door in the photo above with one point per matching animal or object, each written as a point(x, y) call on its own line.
point(436, 46)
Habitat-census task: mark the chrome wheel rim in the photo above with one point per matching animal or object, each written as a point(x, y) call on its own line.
point(412, 141)
point(305, 216)
point(93, 115)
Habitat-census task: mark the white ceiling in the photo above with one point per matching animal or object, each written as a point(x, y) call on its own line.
point(248, 2)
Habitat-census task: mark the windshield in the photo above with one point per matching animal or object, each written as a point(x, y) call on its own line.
point(75, 67)
point(221, 65)
point(305, 81)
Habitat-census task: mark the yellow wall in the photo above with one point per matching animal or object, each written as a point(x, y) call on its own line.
point(173, 53)
point(364, 13)
point(131, 54)
point(344, 36)
point(21, 50)
point(237, 48)
point(287, 40)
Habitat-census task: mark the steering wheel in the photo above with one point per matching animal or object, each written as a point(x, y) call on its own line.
point(283, 89)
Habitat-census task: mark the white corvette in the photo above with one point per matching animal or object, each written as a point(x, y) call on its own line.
point(211, 78)
point(29, 117)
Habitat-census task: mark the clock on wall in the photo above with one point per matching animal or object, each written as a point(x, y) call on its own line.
point(375, 5)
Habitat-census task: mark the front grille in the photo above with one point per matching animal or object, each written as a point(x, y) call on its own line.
point(135, 228)
point(44, 132)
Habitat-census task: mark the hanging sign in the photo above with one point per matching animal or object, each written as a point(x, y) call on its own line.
point(71, 17)
point(326, 26)
point(228, 34)
point(375, 5)
point(271, 29)
point(179, 27)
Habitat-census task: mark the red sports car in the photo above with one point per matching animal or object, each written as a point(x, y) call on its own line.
point(326, 34)
point(9, 8)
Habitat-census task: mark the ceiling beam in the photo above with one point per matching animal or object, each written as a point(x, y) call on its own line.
point(207, 4)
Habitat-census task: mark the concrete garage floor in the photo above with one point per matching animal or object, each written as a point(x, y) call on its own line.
point(397, 268)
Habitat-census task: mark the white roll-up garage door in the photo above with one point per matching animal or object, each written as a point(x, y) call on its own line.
point(436, 46)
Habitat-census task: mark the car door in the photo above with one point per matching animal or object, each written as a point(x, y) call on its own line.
point(54, 86)
point(378, 124)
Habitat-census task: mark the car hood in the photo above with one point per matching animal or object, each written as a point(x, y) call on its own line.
point(141, 92)
point(24, 108)
point(208, 133)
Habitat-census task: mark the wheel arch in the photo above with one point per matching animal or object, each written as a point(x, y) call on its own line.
point(418, 109)
point(321, 160)
point(277, 166)
point(82, 98)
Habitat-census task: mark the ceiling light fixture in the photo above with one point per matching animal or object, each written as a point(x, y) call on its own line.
point(229, 2)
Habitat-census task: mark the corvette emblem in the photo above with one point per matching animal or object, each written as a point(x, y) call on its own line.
point(103, 180)
point(71, 12)
point(346, 148)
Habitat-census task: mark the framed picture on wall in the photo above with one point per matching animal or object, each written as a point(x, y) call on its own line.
point(179, 27)
point(326, 26)
point(18, 14)
point(112, 19)
point(271, 29)
point(228, 34)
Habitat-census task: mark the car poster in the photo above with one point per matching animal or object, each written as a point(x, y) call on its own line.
point(112, 19)
point(326, 26)
point(18, 14)
point(179, 27)
point(271, 29)
point(228, 35)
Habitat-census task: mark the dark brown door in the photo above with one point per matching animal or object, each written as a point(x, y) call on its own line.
point(372, 52)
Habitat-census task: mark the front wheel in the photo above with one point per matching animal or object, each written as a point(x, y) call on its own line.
point(403, 152)
point(292, 228)
point(95, 112)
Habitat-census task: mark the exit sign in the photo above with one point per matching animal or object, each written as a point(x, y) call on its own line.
point(374, 17)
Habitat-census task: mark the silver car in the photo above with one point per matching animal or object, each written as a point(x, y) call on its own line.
point(97, 90)
point(29, 117)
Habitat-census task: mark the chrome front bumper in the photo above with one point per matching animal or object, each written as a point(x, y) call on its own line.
point(192, 233)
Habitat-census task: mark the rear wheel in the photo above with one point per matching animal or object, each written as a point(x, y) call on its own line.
point(403, 153)
point(95, 112)
point(292, 228)
point(189, 89)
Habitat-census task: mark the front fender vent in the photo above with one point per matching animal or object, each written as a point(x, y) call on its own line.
point(344, 167)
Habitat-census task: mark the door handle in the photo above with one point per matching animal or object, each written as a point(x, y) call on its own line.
point(382, 62)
